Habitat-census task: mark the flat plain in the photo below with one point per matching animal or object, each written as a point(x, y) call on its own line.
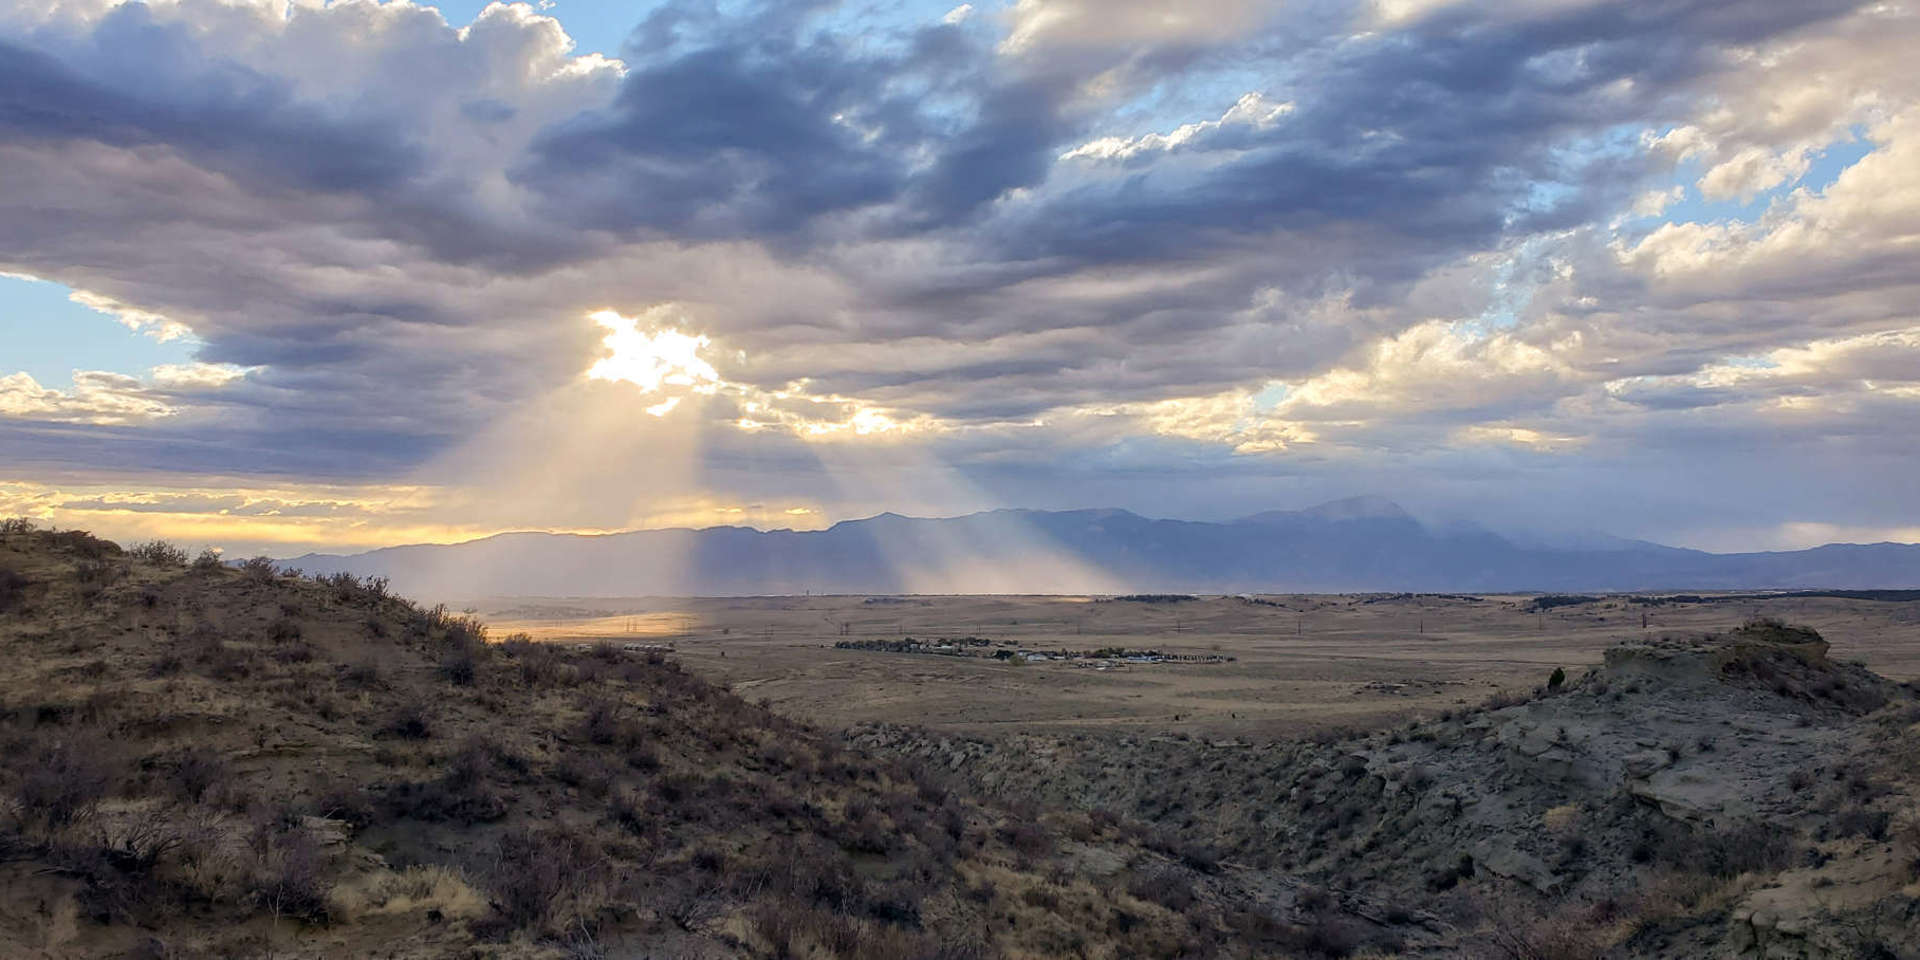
point(1301, 664)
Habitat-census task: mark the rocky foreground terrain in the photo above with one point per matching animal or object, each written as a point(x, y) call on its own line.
point(202, 760)
point(1737, 795)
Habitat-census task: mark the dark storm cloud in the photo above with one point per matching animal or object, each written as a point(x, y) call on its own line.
point(1431, 139)
point(134, 82)
point(756, 127)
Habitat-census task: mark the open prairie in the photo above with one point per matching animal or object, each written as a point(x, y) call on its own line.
point(1300, 663)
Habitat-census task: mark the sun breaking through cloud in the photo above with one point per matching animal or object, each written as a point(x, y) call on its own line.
point(1194, 259)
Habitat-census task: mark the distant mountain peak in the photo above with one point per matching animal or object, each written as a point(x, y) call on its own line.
point(1364, 507)
point(1363, 543)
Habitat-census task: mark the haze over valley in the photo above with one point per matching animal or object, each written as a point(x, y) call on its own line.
point(1355, 545)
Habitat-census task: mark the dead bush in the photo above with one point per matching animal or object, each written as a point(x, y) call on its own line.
point(80, 543)
point(196, 772)
point(13, 589)
point(1747, 847)
point(464, 793)
point(1168, 888)
point(1027, 838)
point(365, 675)
point(408, 721)
point(96, 575)
point(117, 867)
point(460, 666)
point(542, 879)
point(606, 721)
point(64, 778)
point(289, 876)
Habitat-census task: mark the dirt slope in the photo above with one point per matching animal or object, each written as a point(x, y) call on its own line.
point(1733, 795)
point(198, 760)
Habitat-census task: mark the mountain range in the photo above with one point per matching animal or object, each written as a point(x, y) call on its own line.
point(1360, 544)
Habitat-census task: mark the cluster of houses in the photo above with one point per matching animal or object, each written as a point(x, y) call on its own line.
point(1105, 658)
point(943, 646)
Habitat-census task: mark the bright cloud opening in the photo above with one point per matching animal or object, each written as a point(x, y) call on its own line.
point(652, 358)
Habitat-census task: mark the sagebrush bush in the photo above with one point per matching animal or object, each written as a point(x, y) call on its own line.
point(160, 552)
point(289, 878)
point(260, 569)
point(64, 778)
point(13, 589)
point(196, 772)
point(408, 721)
point(540, 879)
point(460, 666)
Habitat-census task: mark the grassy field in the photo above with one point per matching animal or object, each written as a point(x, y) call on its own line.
point(1301, 663)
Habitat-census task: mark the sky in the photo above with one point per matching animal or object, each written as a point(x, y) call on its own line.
point(283, 276)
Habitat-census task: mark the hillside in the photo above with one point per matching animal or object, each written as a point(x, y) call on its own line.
point(1358, 545)
point(203, 760)
point(207, 761)
point(1737, 795)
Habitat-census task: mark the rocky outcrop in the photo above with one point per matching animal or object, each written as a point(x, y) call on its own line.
point(1732, 761)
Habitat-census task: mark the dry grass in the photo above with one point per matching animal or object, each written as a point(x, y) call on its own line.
point(238, 758)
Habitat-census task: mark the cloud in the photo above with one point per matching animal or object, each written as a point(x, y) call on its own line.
point(96, 397)
point(1021, 241)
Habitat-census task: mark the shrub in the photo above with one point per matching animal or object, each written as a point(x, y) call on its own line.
point(208, 560)
point(408, 721)
point(1557, 679)
point(197, 771)
point(460, 666)
point(81, 544)
point(289, 879)
point(64, 781)
point(220, 661)
point(1168, 888)
point(1749, 847)
point(13, 588)
point(98, 573)
point(464, 794)
point(364, 675)
point(541, 878)
point(159, 552)
point(283, 630)
point(1862, 821)
point(260, 569)
point(1027, 838)
point(116, 867)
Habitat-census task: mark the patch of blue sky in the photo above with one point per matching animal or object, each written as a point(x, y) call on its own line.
point(1196, 96)
point(1510, 290)
point(596, 26)
point(603, 26)
point(1823, 168)
point(1750, 362)
point(1267, 398)
point(1829, 163)
point(48, 336)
